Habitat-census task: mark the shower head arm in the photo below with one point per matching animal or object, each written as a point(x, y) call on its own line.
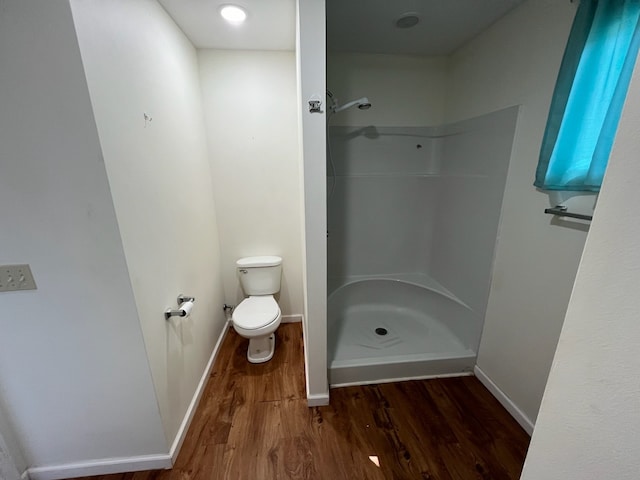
point(360, 101)
point(334, 101)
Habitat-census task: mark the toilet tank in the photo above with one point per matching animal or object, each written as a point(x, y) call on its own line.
point(260, 275)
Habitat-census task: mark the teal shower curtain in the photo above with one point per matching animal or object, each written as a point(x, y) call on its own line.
point(590, 91)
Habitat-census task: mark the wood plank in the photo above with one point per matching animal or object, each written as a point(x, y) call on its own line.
point(253, 422)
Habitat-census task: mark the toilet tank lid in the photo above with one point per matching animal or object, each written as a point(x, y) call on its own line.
point(266, 261)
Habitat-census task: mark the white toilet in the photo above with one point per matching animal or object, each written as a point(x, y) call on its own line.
point(258, 316)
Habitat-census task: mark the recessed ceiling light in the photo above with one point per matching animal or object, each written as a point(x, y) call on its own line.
point(233, 14)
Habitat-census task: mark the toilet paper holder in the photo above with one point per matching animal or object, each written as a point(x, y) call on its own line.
point(168, 313)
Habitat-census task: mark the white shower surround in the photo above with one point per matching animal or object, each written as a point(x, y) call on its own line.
point(413, 221)
point(415, 343)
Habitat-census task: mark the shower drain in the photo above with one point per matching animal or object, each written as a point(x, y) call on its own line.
point(381, 331)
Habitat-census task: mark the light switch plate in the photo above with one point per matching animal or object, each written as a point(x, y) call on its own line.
point(16, 277)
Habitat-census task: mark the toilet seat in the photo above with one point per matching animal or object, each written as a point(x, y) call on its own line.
point(256, 312)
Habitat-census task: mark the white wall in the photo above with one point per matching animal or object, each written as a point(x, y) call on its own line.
point(590, 415)
point(74, 377)
point(432, 210)
point(249, 100)
point(310, 67)
point(379, 173)
point(12, 461)
point(138, 61)
point(404, 90)
point(516, 61)
point(475, 159)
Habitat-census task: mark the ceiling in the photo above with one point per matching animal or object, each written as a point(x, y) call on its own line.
point(270, 24)
point(366, 26)
point(369, 26)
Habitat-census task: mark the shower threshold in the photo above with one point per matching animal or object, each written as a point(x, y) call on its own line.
point(365, 371)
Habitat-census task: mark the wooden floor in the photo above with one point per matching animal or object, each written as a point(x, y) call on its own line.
point(253, 423)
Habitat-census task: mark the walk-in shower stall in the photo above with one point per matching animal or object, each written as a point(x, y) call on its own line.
point(413, 220)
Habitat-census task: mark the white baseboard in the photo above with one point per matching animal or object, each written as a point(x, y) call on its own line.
point(100, 467)
point(186, 422)
point(313, 399)
point(318, 399)
point(519, 416)
point(132, 464)
point(305, 351)
point(401, 379)
point(291, 318)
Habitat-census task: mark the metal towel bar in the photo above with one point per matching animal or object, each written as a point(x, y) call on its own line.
point(561, 211)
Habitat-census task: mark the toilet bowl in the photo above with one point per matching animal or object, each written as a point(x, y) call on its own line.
point(258, 316)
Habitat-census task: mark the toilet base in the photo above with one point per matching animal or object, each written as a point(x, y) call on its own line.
point(261, 349)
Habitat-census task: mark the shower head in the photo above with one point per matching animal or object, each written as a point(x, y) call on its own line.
point(362, 103)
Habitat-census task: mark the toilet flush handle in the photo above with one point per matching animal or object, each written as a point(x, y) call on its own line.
point(243, 270)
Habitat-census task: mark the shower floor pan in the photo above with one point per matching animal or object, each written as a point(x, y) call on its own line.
point(376, 342)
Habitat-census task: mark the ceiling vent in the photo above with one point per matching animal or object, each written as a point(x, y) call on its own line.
point(408, 20)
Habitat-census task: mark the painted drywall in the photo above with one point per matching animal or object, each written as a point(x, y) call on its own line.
point(590, 415)
point(12, 460)
point(249, 100)
point(74, 378)
point(138, 62)
point(515, 62)
point(8, 469)
point(404, 90)
point(311, 74)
